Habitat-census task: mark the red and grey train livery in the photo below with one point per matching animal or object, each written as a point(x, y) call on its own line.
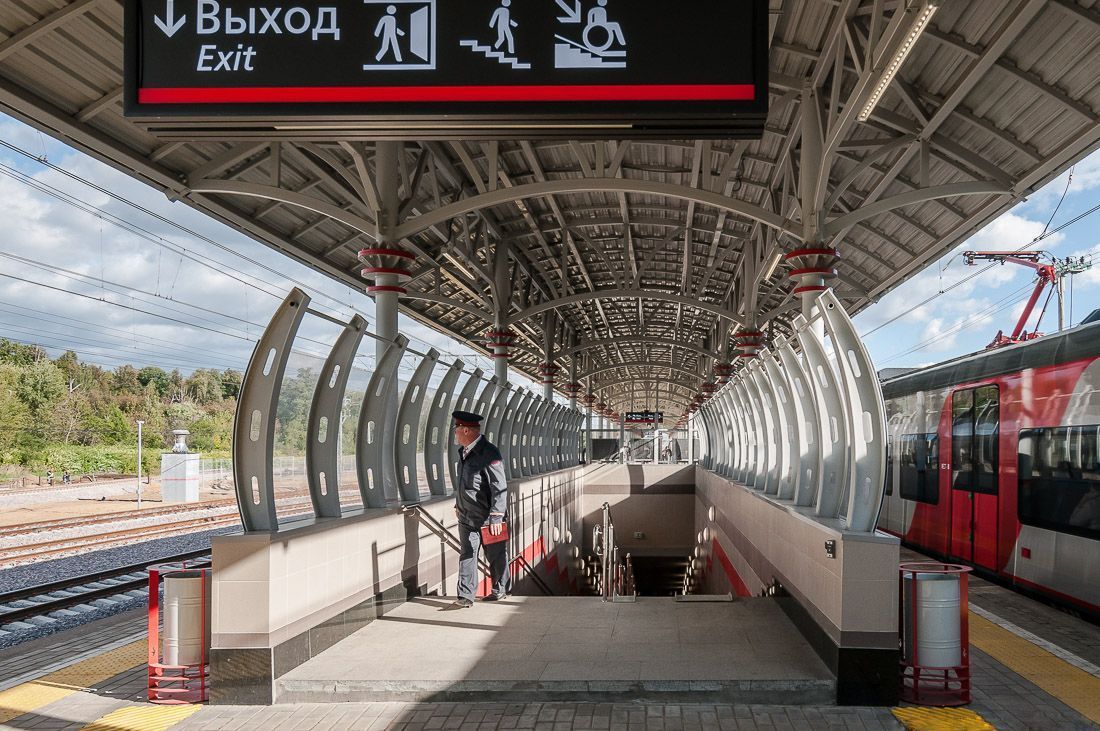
point(994, 461)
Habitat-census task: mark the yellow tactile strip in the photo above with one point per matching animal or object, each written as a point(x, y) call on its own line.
point(142, 718)
point(918, 718)
point(83, 675)
point(1071, 685)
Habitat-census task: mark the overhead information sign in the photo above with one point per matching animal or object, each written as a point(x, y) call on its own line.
point(645, 417)
point(615, 67)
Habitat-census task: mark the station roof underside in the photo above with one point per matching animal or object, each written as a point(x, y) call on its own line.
point(651, 254)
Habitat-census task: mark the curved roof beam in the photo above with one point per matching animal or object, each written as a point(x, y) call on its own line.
point(921, 195)
point(642, 294)
point(449, 302)
point(635, 340)
point(289, 197)
point(501, 196)
point(639, 364)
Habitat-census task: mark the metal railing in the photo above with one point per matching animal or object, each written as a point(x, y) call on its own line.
point(616, 581)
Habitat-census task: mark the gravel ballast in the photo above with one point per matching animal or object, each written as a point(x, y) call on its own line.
point(20, 577)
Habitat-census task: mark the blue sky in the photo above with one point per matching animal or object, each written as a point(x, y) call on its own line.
point(144, 267)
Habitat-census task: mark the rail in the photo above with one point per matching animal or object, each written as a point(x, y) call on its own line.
point(616, 579)
point(76, 591)
point(440, 530)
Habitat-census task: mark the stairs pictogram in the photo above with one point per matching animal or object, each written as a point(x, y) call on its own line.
point(570, 57)
point(498, 56)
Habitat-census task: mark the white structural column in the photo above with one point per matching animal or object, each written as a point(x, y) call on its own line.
point(787, 464)
point(831, 416)
point(807, 428)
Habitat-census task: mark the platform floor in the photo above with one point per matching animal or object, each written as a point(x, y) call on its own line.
point(568, 648)
point(1022, 659)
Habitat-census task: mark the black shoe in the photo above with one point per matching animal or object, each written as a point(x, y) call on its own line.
point(462, 603)
point(494, 597)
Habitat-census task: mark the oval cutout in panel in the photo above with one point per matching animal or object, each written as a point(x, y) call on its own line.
point(381, 386)
point(335, 375)
point(255, 490)
point(370, 478)
point(435, 435)
point(415, 394)
point(868, 427)
point(405, 432)
point(370, 432)
point(855, 363)
point(324, 483)
point(834, 430)
point(270, 362)
point(322, 429)
point(254, 426)
point(821, 376)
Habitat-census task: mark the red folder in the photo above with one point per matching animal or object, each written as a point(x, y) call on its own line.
point(488, 538)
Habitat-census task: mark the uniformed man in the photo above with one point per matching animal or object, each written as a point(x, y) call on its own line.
point(481, 499)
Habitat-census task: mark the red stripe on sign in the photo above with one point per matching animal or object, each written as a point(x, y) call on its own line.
point(389, 94)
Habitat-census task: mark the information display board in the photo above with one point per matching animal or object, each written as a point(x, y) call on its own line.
point(645, 417)
point(408, 68)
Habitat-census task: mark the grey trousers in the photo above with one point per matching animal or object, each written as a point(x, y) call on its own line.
point(497, 556)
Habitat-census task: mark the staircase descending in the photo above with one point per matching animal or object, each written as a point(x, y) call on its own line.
point(489, 52)
point(660, 575)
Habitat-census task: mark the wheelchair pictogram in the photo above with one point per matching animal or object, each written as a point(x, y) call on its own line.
point(601, 43)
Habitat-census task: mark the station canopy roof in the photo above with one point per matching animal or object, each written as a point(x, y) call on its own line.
point(650, 253)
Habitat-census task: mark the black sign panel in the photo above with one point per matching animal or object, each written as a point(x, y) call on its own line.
point(645, 417)
point(615, 66)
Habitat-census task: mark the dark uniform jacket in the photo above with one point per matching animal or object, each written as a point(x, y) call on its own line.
point(482, 486)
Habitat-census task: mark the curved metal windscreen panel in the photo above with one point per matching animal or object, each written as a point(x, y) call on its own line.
point(436, 440)
point(787, 464)
point(510, 430)
point(408, 428)
point(832, 418)
point(373, 422)
point(528, 429)
point(867, 411)
point(254, 424)
point(807, 428)
point(762, 461)
point(323, 431)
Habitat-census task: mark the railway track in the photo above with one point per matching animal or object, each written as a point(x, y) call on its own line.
point(99, 541)
point(44, 604)
point(88, 520)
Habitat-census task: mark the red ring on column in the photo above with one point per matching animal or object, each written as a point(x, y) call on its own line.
point(386, 288)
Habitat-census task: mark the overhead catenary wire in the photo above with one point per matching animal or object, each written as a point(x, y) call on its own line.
point(179, 249)
point(1047, 233)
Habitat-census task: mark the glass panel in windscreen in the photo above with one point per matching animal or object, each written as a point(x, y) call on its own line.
point(291, 423)
point(962, 440)
point(1059, 479)
point(919, 473)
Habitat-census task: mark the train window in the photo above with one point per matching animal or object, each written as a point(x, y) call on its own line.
point(1059, 479)
point(919, 468)
point(975, 433)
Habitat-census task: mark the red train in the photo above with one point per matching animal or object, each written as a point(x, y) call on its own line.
point(994, 462)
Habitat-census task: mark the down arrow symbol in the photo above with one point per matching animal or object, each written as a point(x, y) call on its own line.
point(572, 14)
point(171, 25)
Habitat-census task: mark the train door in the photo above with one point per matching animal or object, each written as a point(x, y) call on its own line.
point(975, 430)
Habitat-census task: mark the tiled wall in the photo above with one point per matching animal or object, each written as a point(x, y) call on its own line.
point(846, 605)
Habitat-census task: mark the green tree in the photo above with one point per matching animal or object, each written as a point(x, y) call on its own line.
point(156, 376)
point(41, 384)
point(205, 386)
point(19, 354)
point(231, 383)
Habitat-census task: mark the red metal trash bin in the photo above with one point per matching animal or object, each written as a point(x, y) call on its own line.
point(935, 634)
point(179, 672)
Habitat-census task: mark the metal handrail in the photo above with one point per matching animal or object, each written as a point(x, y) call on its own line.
point(616, 579)
point(453, 541)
